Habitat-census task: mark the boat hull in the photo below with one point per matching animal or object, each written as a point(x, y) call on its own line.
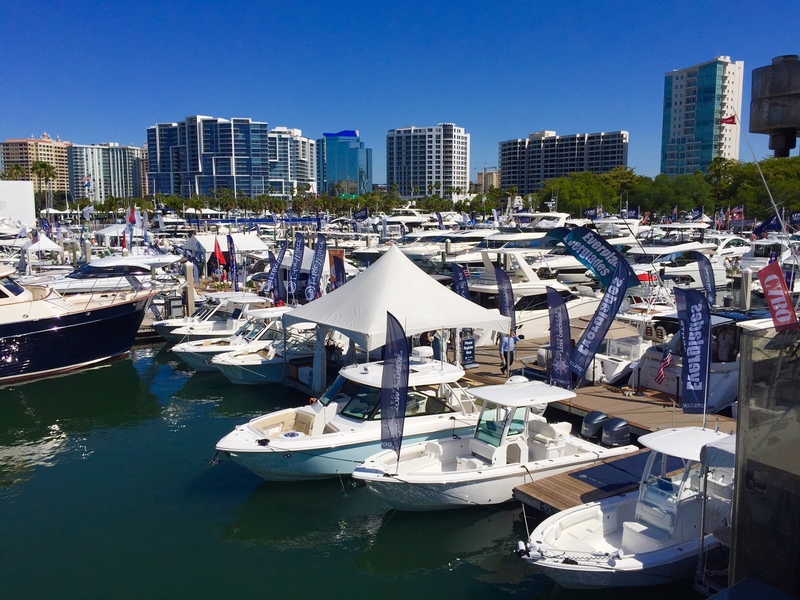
point(56, 345)
point(654, 568)
point(286, 464)
point(252, 374)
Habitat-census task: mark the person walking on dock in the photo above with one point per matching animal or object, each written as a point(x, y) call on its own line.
point(507, 345)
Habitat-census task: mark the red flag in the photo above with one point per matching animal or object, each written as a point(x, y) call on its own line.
point(218, 253)
point(729, 120)
point(778, 298)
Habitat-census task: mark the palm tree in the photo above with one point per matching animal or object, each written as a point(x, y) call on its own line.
point(15, 172)
point(45, 172)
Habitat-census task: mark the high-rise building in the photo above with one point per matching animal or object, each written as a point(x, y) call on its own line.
point(528, 163)
point(422, 160)
point(102, 170)
point(202, 154)
point(344, 165)
point(486, 180)
point(292, 162)
point(696, 101)
point(25, 152)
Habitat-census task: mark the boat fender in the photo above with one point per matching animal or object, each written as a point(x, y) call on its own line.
point(521, 549)
point(263, 442)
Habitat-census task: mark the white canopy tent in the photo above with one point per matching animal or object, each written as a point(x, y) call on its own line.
point(394, 284)
point(244, 242)
point(44, 244)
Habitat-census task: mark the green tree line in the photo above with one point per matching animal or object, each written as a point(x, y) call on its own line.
point(727, 184)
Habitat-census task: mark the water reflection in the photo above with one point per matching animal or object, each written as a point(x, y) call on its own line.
point(43, 419)
point(316, 515)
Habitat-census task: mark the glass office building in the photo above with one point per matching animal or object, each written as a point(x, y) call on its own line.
point(202, 154)
point(344, 164)
point(696, 100)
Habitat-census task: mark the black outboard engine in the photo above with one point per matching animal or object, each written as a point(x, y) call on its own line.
point(616, 432)
point(592, 425)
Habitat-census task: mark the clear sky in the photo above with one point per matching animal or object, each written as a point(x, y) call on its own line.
point(94, 72)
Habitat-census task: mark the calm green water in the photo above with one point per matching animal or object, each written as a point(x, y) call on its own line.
point(106, 492)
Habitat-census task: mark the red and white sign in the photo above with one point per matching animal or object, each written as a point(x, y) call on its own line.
point(778, 298)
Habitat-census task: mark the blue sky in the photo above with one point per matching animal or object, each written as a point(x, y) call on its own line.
point(96, 72)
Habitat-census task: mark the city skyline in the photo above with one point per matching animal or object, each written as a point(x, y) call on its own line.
point(500, 72)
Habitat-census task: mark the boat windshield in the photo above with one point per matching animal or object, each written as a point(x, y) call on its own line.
point(252, 330)
point(494, 419)
point(363, 402)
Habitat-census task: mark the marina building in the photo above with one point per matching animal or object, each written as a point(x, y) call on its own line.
point(25, 152)
point(429, 160)
point(344, 164)
point(102, 170)
point(292, 163)
point(528, 163)
point(696, 102)
point(201, 154)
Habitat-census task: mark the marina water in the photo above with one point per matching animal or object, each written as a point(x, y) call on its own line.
point(107, 491)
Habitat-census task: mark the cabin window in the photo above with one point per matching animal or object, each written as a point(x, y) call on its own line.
point(11, 285)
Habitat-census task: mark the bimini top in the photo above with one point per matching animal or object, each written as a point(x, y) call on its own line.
point(685, 442)
point(523, 393)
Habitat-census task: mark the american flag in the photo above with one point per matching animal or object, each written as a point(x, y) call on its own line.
point(666, 361)
point(35, 237)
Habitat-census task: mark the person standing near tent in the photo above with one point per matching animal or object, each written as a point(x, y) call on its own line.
point(507, 345)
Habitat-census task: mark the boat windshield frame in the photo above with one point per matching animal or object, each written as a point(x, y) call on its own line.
point(363, 402)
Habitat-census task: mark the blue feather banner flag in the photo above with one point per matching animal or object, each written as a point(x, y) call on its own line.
point(317, 264)
point(505, 296)
point(707, 277)
point(560, 340)
point(394, 385)
point(339, 274)
point(272, 278)
point(694, 315)
point(297, 262)
point(601, 321)
point(439, 219)
point(233, 265)
point(595, 253)
point(460, 285)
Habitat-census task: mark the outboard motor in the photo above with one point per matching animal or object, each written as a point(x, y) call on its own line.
point(616, 432)
point(592, 425)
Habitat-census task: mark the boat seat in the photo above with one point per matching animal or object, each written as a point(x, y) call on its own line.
point(434, 448)
point(550, 434)
point(640, 537)
point(546, 440)
point(304, 422)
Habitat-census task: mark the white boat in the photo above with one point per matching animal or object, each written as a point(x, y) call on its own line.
point(338, 431)
point(650, 536)
point(529, 285)
point(214, 318)
point(529, 240)
point(764, 251)
point(513, 444)
point(448, 242)
point(268, 361)
point(723, 382)
point(261, 325)
point(675, 265)
point(115, 273)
